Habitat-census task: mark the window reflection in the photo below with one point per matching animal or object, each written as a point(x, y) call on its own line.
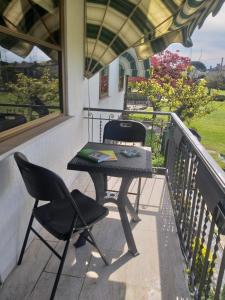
point(38, 18)
point(104, 82)
point(29, 86)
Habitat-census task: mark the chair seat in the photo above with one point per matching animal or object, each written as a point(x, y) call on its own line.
point(58, 219)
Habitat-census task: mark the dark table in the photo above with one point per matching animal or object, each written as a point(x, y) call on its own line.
point(124, 167)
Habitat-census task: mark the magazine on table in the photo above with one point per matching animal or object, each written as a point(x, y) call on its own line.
point(97, 155)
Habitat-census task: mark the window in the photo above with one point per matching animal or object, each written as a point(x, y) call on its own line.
point(104, 82)
point(30, 62)
point(121, 78)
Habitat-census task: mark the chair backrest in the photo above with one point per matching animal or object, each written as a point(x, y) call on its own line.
point(124, 131)
point(41, 183)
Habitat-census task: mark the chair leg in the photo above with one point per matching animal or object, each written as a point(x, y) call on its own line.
point(105, 182)
point(25, 239)
point(137, 200)
point(96, 246)
point(60, 270)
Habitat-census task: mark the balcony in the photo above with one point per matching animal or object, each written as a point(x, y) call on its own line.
point(157, 273)
point(180, 236)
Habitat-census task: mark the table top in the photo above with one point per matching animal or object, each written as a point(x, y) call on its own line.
point(140, 166)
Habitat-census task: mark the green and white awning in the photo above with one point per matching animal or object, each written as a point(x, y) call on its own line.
point(133, 67)
point(113, 26)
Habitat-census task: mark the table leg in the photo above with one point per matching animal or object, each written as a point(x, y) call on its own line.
point(131, 210)
point(122, 203)
point(98, 180)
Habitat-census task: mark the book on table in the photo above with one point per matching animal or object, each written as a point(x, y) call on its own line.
point(97, 155)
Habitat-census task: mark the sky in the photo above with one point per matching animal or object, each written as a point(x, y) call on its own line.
point(35, 55)
point(208, 41)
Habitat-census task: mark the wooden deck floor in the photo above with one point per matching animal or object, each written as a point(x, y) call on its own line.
point(157, 273)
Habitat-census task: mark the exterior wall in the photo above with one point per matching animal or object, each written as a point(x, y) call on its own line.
point(54, 148)
point(115, 98)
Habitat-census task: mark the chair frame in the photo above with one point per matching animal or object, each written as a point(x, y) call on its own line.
point(86, 228)
point(126, 124)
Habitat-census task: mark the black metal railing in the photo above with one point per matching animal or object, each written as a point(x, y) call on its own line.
point(29, 111)
point(197, 191)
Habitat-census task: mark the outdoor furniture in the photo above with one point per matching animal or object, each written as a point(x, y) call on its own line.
point(124, 167)
point(10, 120)
point(64, 214)
point(125, 132)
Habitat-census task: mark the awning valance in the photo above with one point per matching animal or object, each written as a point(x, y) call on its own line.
point(113, 26)
point(133, 67)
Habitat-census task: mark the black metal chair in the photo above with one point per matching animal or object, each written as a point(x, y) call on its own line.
point(64, 214)
point(128, 133)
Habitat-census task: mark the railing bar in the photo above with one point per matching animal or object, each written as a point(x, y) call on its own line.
point(184, 179)
point(128, 111)
point(28, 105)
point(197, 238)
point(178, 183)
point(188, 195)
point(206, 260)
point(220, 277)
point(92, 128)
point(190, 231)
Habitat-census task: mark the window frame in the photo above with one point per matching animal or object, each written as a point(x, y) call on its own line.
point(106, 94)
point(9, 133)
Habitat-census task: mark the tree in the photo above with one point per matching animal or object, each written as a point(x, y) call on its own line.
point(168, 66)
point(188, 100)
point(153, 90)
point(172, 87)
point(28, 88)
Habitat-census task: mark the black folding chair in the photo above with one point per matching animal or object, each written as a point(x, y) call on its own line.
point(64, 214)
point(126, 133)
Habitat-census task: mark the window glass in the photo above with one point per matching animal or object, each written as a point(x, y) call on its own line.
point(30, 81)
point(38, 18)
point(104, 82)
point(121, 78)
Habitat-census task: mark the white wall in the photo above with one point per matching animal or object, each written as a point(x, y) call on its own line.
point(115, 98)
point(54, 148)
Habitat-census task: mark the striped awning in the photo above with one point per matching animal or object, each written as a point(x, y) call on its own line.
point(113, 26)
point(38, 18)
point(133, 67)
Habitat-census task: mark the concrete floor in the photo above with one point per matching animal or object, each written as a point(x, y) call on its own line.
point(156, 273)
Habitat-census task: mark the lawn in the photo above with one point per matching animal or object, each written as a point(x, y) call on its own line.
point(211, 128)
point(7, 98)
point(212, 131)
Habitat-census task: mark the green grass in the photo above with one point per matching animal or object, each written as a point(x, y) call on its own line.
point(7, 98)
point(219, 92)
point(212, 130)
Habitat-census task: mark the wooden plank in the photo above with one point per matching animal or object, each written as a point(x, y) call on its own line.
point(22, 280)
point(77, 260)
point(146, 191)
point(157, 271)
point(68, 289)
point(158, 192)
